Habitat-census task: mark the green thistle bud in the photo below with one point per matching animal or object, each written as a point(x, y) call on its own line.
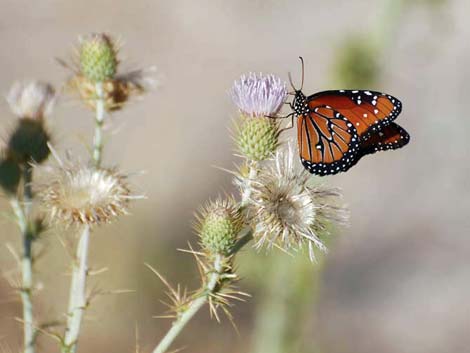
point(257, 138)
point(28, 142)
point(98, 58)
point(10, 174)
point(218, 226)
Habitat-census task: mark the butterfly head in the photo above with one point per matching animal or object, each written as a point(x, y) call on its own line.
point(299, 105)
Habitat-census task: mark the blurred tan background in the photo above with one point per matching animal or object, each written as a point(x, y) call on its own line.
point(398, 280)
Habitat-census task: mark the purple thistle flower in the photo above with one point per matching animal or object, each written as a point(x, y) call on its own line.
point(259, 95)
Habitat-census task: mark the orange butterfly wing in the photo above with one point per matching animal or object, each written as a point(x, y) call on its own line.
point(328, 142)
point(368, 111)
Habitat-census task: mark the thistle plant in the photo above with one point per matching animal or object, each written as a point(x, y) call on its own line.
point(27, 145)
point(278, 206)
point(71, 196)
point(87, 196)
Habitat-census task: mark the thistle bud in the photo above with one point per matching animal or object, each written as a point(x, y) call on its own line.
point(28, 142)
point(98, 58)
point(97, 62)
point(10, 174)
point(218, 227)
point(257, 138)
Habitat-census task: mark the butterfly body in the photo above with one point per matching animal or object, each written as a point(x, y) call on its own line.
point(337, 128)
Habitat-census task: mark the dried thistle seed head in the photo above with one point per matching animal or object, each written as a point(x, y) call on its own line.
point(218, 226)
point(259, 95)
point(116, 92)
point(85, 195)
point(257, 138)
point(98, 57)
point(10, 174)
point(29, 141)
point(32, 100)
point(288, 211)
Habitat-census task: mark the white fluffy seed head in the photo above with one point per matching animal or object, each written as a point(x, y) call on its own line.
point(85, 195)
point(289, 212)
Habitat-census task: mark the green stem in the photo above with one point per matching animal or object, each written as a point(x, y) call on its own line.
point(210, 289)
point(26, 296)
point(77, 298)
point(287, 281)
point(99, 120)
point(192, 309)
point(77, 295)
point(22, 213)
point(270, 326)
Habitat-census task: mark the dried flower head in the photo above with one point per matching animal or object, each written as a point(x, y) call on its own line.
point(259, 95)
point(117, 91)
point(85, 195)
point(32, 100)
point(288, 211)
point(97, 62)
point(218, 225)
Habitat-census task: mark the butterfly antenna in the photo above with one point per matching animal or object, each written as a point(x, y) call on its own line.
point(303, 70)
point(290, 80)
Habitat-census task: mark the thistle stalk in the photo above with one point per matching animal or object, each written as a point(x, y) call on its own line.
point(27, 265)
point(77, 300)
point(77, 295)
point(247, 190)
point(22, 213)
point(193, 307)
point(99, 120)
point(271, 321)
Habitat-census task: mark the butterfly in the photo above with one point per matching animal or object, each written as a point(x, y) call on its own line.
point(335, 129)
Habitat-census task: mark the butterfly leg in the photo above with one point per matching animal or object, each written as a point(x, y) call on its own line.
point(291, 125)
point(279, 117)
